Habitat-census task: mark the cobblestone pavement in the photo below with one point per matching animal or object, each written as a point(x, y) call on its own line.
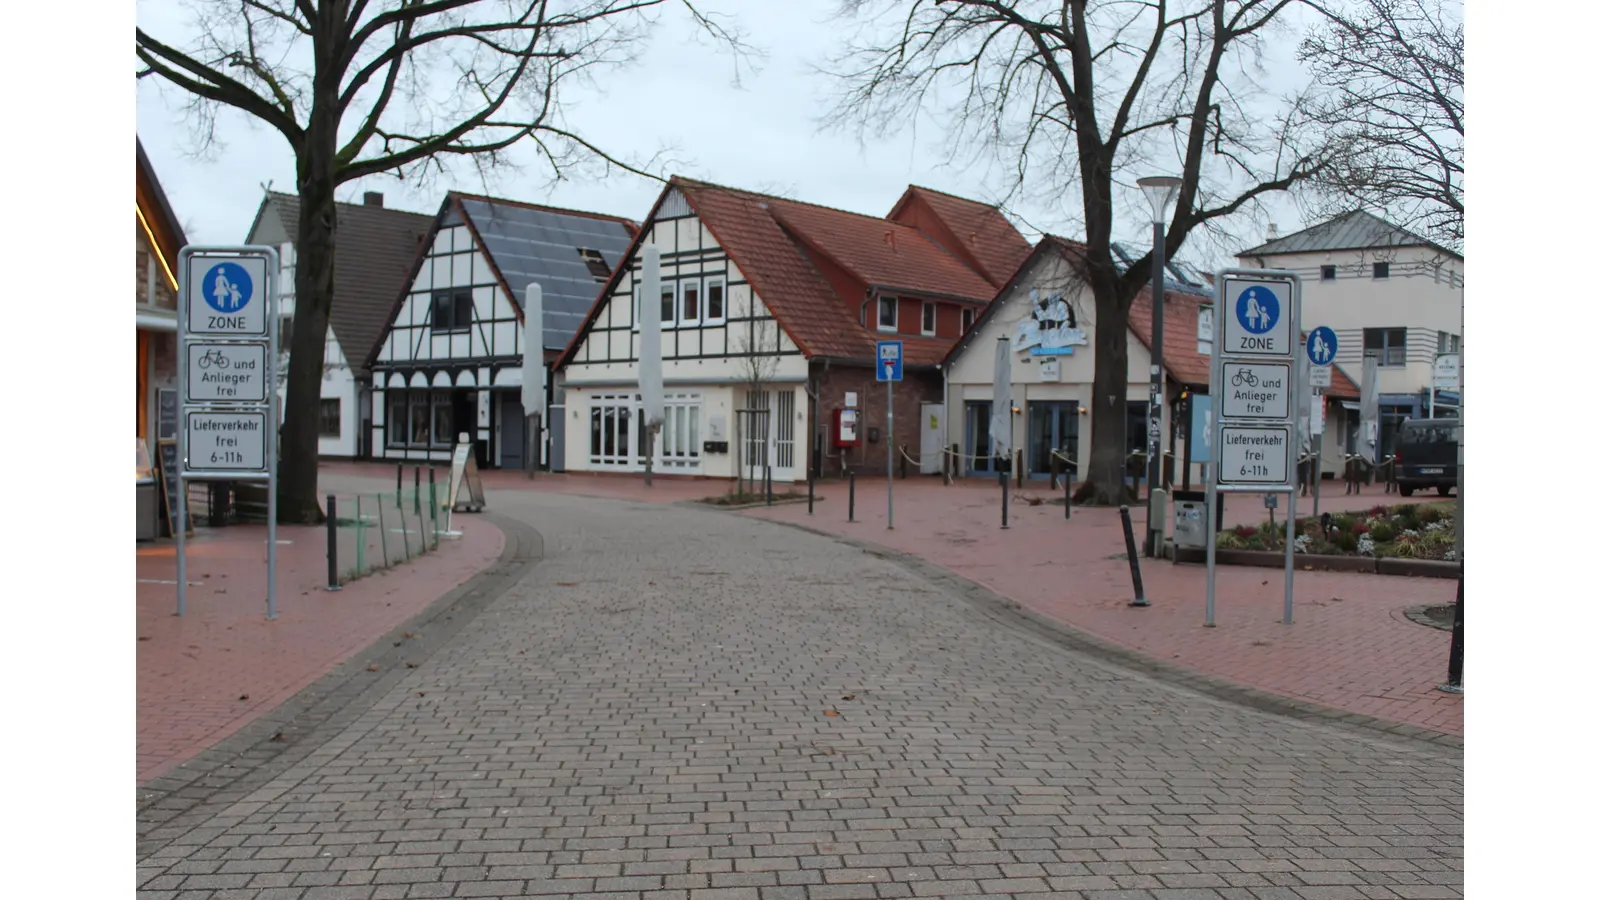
point(681, 704)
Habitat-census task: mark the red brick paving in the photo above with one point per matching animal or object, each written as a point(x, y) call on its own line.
point(1350, 647)
point(206, 675)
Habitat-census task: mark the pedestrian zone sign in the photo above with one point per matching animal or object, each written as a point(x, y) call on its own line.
point(889, 361)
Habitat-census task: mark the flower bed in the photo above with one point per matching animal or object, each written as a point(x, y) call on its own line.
point(1407, 531)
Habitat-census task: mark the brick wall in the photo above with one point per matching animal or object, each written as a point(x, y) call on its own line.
point(909, 395)
point(164, 295)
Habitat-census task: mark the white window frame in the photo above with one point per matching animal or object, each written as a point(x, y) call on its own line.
point(683, 286)
point(894, 304)
point(680, 434)
point(968, 317)
point(669, 287)
point(706, 318)
point(927, 307)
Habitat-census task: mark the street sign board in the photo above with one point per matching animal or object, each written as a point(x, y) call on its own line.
point(1322, 345)
point(1320, 377)
point(889, 361)
point(226, 373)
point(1199, 436)
point(227, 441)
point(1205, 330)
point(1447, 372)
point(1255, 455)
point(1252, 390)
point(227, 296)
point(1257, 318)
point(1319, 414)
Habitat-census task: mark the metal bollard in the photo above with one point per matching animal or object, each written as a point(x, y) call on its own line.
point(1133, 560)
point(433, 507)
point(1066, 495)
point(852, 495)
point(333, 543)
point(1457, 635)
point(811, 494)
point(1005, 503)
point(399, 482)
point(902, 462)
point(1018, 464)
point(416, 489)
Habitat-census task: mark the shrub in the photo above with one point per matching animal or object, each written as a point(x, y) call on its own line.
point(1429, 514)
point(1383, 532)
point(1346, 541)
point(1342, 522)
point(1241, 531)
point(1358, 528)
point(1227, 540)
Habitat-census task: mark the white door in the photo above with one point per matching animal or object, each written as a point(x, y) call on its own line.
point(932, 437)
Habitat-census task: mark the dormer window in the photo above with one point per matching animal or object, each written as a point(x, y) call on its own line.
point(888, 313)
point(595, 262)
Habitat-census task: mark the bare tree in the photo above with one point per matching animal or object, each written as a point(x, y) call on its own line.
point(1393, 105)
point(758, 351)
point(362, 87)
point(1080, 97)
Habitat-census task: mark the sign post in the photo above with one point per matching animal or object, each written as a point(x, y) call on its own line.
point(227, 377)
point(890, 370)
point(1446, 377)
point(1254, 439)
point(1322, 345)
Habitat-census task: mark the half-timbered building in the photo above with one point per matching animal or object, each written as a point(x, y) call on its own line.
point(372, 257)
point(771, 309)
point(449, 361)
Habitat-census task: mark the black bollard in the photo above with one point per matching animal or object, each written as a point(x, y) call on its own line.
point(1133, 560)
point(399, 482)
point(333, 543)
point(811, 494)
point(852, 495)
point(416, 489)
point(1005, 502)
point(1066, 495)
point(1457, 638)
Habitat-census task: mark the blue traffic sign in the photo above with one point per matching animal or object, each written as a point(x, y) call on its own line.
point(1257, 309)
point(1200, 428)
point(1322, 346)
point(889, 365)
point(227, 287)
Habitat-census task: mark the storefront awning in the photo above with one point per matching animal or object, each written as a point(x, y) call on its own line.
point(1349, 405)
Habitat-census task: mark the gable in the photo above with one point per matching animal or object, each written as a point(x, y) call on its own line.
point(481, 324)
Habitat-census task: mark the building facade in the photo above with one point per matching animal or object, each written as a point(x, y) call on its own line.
point(157, 239)
point(374, 251)
point(449, 358)
point(1047, 313)
point(1385, 292)
point(771, 309)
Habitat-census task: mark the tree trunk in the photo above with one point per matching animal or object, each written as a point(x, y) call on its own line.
point(313, 290)
point(1108, 439)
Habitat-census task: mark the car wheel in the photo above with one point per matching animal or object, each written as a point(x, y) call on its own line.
point(1444, 490)
point(1406, 489)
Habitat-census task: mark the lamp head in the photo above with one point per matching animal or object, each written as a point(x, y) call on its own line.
point(1160, 190)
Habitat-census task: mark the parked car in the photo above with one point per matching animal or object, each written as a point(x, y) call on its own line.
point(1427, 455)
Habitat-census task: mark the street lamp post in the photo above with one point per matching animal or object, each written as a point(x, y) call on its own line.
point(1160, 191)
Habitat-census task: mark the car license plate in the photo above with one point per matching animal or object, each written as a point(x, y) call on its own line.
point(1439, 471)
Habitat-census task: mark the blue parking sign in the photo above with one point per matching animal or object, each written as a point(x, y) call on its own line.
point(889, 361)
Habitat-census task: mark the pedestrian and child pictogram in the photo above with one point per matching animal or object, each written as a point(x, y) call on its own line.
point(1322, 346)
point(1257, 309)
point(228, 288)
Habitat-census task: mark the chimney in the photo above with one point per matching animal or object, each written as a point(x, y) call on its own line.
point(1272, 231)
point(372, 198)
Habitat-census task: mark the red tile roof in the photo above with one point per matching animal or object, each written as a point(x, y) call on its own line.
point(987, 235)
point(764, 236)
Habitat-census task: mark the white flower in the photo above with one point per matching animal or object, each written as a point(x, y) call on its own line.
point(1364, 545)
point(1409, 532)
point(1450, 555)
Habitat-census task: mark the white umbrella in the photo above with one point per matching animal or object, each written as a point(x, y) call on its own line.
point(650, 381)
point(533, 353)
point(1000, 415)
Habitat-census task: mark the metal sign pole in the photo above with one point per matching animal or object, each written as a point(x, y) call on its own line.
point(272, 436)
point(1208, 473)
point(181, 524)
point(888, 471)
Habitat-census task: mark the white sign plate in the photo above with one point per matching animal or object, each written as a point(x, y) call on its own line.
point(1319, 415)
point(1255, 390)
point(227, 373)
point(1447, 372)
point(227, 441)
point(1256, 319)
point(227, 296)
point(1253, 455)
point(1321, 377)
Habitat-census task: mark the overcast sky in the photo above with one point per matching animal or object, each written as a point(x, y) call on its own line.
point(763, 135)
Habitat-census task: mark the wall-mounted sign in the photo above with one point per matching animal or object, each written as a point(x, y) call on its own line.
point(1050, 370)
point(1050, 328)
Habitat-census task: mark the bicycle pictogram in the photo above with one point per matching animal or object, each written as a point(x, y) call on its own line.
point(213, 357)
point(1245, 377)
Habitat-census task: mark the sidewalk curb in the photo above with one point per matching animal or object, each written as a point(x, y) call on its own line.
point(175, 802)
point(1008, 612)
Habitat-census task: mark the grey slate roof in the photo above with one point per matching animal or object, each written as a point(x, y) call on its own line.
point(527, 243)
point(1358, 230)
point(374, 251)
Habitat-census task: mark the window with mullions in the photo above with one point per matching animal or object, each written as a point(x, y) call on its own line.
point(328, 419)
point(420, 419)
point(669, 303)
point(689, 308)
point(452, 310)
point(1388, 344)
